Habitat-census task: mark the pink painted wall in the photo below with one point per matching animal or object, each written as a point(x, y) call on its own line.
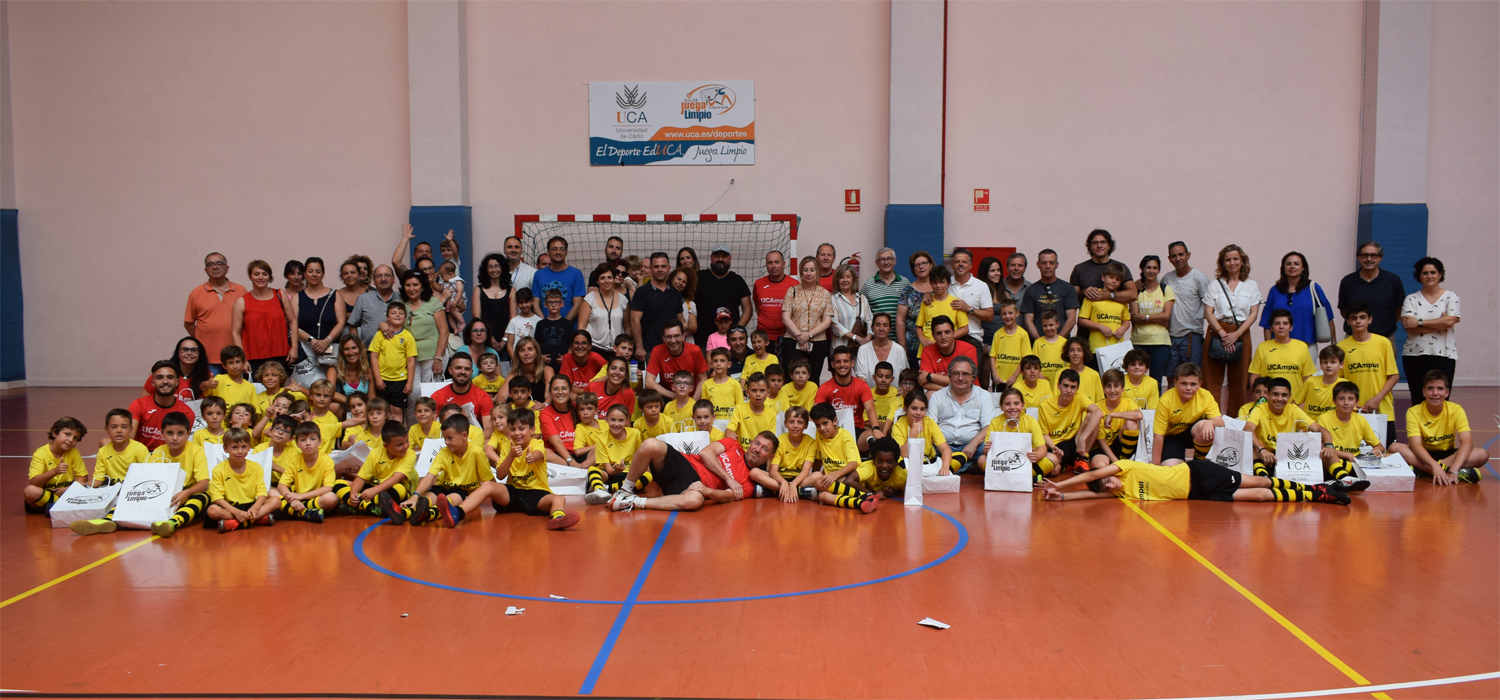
point(821, 72)
point(1463, 175)
point(149, 133)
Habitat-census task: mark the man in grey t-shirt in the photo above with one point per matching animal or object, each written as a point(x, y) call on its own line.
point(370, 307)
point(1191, 287)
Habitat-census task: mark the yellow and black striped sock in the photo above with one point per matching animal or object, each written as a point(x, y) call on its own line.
point(839, 488)
point(1291, 495)
point(437, 502)
point(958, 462)
point(46, 500)
point(596, 480)
point(190, 510)
point(1341, 469)
point(1261, 470)
point(341, 489)
point(1200, 450)
point(1128, 441)
point(1041, 468)
point(641, 482)
point(1286, 484)
point(851, 502)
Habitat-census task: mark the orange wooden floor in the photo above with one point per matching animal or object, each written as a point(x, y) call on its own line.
point(1081, 599)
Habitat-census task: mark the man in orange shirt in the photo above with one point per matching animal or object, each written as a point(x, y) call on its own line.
point(210, 307)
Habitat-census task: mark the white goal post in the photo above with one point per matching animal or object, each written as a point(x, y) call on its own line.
point(749, 236)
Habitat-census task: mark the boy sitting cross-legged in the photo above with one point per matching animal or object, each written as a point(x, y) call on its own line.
point(306, 484)
point(385, 480)
point(237, 488)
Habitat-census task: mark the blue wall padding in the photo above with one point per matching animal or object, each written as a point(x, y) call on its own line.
point(12, 312)
point(1401, 229)
point(913, 227)
point(433, 223)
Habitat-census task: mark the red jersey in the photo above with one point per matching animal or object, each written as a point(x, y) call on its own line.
point(768, 296)
point(580, 375)
point(625, 397)
point(732, 460)
point(935, 362)
point(826, 282)
point(557, 423)
point(664, 365)
point(853, 397)
point(184, 388)
point(474, 398)
point(145, 410)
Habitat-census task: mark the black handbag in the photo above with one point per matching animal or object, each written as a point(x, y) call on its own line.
point(1216, 349)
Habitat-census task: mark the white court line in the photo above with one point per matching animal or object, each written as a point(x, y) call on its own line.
point(1356, 690)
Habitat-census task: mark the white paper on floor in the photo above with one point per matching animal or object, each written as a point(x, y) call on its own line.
point(513, 610)
point(934, 623)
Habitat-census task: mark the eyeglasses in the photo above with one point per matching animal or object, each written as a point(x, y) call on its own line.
point(188, 350)
point(217, 264)
point(960, 374)
point(1370, 255)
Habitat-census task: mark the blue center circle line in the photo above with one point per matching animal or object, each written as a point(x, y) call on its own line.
point(963, 541)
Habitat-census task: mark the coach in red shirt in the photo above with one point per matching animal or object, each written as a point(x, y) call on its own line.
point(581, 363)
point(147, 411)
point(463, 393)
point(674, 355)
point(719, 473)
point(768, 294)
point(614, 389)
point(845, 390)
point(933, 371)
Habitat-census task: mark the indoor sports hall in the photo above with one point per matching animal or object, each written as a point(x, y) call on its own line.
point(307, 308)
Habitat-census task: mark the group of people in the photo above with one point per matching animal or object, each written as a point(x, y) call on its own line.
point(616, 359)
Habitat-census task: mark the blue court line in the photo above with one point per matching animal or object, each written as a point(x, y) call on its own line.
point(635, 592)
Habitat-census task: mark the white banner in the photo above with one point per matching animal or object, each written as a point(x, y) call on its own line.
point(914, 451)
point(672, 123)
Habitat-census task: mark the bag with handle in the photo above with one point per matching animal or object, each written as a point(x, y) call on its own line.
point(1378, 422)
point(1297, 458)
point(1006, 465)
point(915, 449)
point(1148, 435)
point(81, 502)
point(1216, 346)
point(1321, 324)
point(1232, 449)
point(1113, 356)
point(146, 495)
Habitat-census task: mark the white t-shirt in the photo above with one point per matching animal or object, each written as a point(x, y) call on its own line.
point(606, 323)
point(522, 326)
point(865, 361)
point(689, 312)
point(521, 278)
point(976, 294)
point(1243, 298)
point(1443, 344)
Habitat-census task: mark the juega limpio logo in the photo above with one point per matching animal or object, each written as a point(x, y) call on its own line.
point(145, 491)
point(1010, 460)
point(705, 101)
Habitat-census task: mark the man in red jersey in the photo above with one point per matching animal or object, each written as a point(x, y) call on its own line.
point(768, 293)
point(720, 473)
point(147, 411)
point(845, 390)
point(463, 393)
point(933, 373)
point(672, 356)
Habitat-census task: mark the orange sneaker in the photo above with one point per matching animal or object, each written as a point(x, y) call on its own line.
point(563, 522)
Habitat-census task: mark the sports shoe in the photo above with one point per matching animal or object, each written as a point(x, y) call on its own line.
point(1323, 494)
point(597, 497)
point(563, 522)
point(758, 492)
point(313, 515)
point(343, 509)
point(869, 505)
point(619, 495)
point(807, 493)
point(163, 528)
point(1352, 484)
point(229, 525)
point(445, 510)
point(1468, 475)
point(623, 502)
point(420, 512)
point(390, 508)
point(269, 519)
point(93, 527)
point(1080, 465)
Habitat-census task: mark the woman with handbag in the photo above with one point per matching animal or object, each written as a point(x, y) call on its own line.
point(259, 320)
point(1232, 301)
point(320, 319)
point(1429, 316)
point(807, 312)
point(851, 311)
point(1312, 315)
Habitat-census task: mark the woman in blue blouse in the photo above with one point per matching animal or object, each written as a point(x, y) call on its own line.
point(1294, 292)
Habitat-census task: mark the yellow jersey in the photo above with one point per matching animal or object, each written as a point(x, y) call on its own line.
point(1034, 395)
point(263, 399)
point(1268, 425)
point(380, 466)
point(1050, 352)
point(754, 364)
point(609, 450)
point(662, 427)
point(529, 475)
point(1440, 432)
point(493, 387)
point(1290, 361)
point(746, 423)
point(330, 428)
point(887, 405)
point(869, 478)
point(1317, 397)
point(790, 458)
point(792, 396)
point(931, 434)
point(724, 396)
point(1347, 435)
point(1173, 416)
point(500, 440)
point(361, 433)
point(1007, 349)
point(300, 477)
point(114, 465)
point(202, 437)
point(467, 470)
point(1062, 422)
point(233, 392)
point(934, 308)
point(191, 460)
point(838, 451)
point(224, 484)
point(1147, 482)
point(416, 436)
point(1110, 430)
point(1368, 365)
point(1244, 412)
point(43, 461)
point(393, 352)
point(1090, 385)
point(1023, 424)
point(680, 418)
point(1147, 394)
point(584, 435)
point(1105, 312)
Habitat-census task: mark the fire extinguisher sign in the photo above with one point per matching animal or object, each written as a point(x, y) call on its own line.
point(982, 200)
point(851, 200)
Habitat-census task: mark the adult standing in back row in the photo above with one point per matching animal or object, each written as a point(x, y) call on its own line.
point(721, 287)
point(561, 275)
point(1381, 289)
point(883, 289)
point(1190, 287)
point(1049, 292)
point(1088, 276)
point(209, 318)
point(769, 293)
point(655, 305)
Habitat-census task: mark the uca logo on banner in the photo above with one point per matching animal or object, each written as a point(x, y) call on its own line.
point(1010, 460)
point(145, 491)
point(699, 123)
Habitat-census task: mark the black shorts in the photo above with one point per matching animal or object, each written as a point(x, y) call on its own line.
point(1177, 444)
point(395, 393)
point(676, 473)
point(1210, 482)
point(1442, 454)
point(523, 501)
point(445, 489)
point(1069, 449)
point(211, 524)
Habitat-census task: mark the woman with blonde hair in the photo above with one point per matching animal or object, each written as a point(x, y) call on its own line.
point(807, 312)
point(851, 311)
point(685, 280)
point(528, 362)
point(1233, 302)
point(350, 374)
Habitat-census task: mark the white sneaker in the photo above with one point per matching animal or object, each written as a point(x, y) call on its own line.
point(622, 502)
point(759, 492)
point(596, 497)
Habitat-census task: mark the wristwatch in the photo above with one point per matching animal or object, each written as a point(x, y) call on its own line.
point(1419, 322)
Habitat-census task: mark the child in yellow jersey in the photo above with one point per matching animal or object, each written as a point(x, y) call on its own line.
point(279, 442)
point(1198, 480)
point(775, 380)
point(519, 391)
point(237, 491)
point(426, 426)
point(1107, 320)
point(796, 453)
point(488, 378)
point(614, 448)
point(242, 416)
point(525, 490)
point(214, 411)
point(1260, 392)
point(752, 417)
point(677, 409)
point(369, 433)
point(1351, 435)
point(1370, 362)
point(272, 376)
point(1049, 348)
point(117, 453)
point(320, 396)
point(1119, 422)
point(1282, 356)
point(279, 406)
point(458, 480)
point(840, 464)
point(306, 486)
point(883, 476)
point(1185, 418)
point(1090, 386)
point(887, 399)
point(720, 389)
point(476, 433)
point(1438, 439)
point(1033, 386)
point(760, 358)
point(939, 303)
point(800, 392)
point(651, 423)
point(232, 386)
point(1010, 344)
point(394, 359)
point(915, 424)
point(586, 426)
point(356, 424)
point(1279, 415)
point(386, 479)
point(1045, 457)
point(1317, 393)
point(188, 456)
point(1139, 385)
point(1071, 421)
point(703, 420)
point(56, 465)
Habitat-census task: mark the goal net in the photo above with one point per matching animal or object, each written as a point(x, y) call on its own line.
point(749, 236)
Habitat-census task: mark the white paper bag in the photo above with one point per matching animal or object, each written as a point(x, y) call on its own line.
point(1234, 424)
point(351, 459)
point(1112, 356)
point(429, 452)
point(915, 449)
point(430, 388)
point(196, 405)
point(80, 502)
point(1006, 466)
point(1232, 448)
point(1379, 423)
point(146, 495)
point(565, 480)
point(1148, 435)
point(846, 421)
point(686, 443)
point(1390, 473)
point(932, 482)
point(1297, 458)
point(1033, 411)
